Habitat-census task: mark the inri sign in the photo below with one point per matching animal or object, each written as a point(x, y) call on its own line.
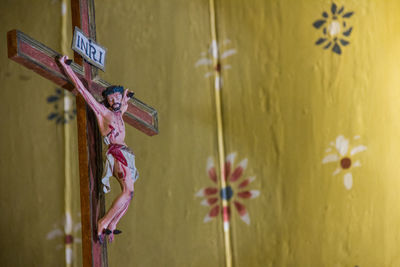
point(88, 49)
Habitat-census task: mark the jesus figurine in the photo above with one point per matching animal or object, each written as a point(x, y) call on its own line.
point(119, 159)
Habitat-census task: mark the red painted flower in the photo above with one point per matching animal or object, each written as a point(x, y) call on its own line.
point(234, 192)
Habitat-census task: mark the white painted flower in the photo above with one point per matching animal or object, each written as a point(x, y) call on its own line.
point(344, 157)
point(217, 52)
point(66, 237)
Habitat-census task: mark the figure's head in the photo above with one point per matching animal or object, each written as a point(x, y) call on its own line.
point(113, 97)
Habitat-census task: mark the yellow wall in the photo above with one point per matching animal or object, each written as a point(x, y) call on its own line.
point(288, 106)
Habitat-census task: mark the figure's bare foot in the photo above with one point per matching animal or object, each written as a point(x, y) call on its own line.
point(101, 227)
point(110, 238)
point(101, 238)
point(111, 234)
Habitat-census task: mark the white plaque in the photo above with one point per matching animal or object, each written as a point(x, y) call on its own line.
point(88, 49)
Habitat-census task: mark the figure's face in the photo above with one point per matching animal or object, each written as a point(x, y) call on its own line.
point(114, 100)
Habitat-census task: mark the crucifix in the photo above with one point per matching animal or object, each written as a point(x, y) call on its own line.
point(45, 61)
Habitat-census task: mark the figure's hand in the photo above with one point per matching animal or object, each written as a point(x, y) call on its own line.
point(65, 61)
point(128, 94)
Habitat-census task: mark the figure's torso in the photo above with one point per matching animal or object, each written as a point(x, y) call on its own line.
point(112, 126)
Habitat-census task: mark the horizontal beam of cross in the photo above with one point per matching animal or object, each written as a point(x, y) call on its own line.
point(43, 60)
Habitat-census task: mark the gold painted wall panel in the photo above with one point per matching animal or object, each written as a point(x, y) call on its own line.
point(314, 130)
point(287, 102)
point(31, 147)
point(154, 55)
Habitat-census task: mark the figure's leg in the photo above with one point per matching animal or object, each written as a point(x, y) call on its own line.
point(122, 201)
point(117, 217)
point(112, 226)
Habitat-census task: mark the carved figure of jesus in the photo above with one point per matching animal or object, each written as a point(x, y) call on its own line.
point(120, 160)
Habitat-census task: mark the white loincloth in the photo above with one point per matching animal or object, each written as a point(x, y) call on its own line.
point(109, 165)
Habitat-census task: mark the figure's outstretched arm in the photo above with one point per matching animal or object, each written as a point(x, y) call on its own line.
point(125, 98)
point(97, 107)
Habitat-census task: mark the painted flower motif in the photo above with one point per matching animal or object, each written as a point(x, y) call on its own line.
point(65, 115)
point(344, 158)
point(206, 57)
point(65, 235)
point(334, 28)
point(233, 193)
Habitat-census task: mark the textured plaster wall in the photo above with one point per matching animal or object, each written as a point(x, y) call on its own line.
point(294, 114)
point(31, 148)
point(285, 100)
point(164, 226)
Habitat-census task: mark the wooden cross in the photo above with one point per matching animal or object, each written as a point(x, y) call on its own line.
point(43, 60)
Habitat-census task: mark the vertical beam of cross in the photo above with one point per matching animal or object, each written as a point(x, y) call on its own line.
point(90, 154)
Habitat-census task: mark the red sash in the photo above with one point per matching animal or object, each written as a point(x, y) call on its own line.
point(115, 151)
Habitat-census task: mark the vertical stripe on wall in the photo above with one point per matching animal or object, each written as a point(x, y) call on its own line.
point(220, 136)
point(68, 224)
